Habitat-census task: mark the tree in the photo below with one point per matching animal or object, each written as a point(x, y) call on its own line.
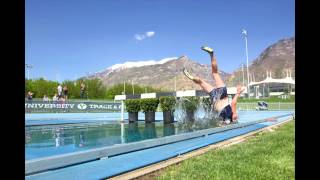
point(94, 88)
point(41, 87)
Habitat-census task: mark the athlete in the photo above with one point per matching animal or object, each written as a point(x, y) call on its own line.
point(226, 111)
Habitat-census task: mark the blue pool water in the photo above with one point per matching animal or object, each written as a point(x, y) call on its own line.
point(82, 131)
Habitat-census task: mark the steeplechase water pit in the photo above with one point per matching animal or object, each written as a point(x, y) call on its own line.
point(103, 145)
point(99, 146)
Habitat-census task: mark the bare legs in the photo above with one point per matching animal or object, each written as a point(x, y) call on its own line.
point(219, 82)
point(205, 86)
point(216, 75)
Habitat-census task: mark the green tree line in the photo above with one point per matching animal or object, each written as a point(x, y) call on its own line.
point(94, 88)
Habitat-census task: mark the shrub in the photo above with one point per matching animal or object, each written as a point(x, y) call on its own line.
point(149, 104)
point(190, 103)
point(207, 103)
point(167, 103)
point(133, 105)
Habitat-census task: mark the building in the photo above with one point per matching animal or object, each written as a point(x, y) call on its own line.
point(273, 87)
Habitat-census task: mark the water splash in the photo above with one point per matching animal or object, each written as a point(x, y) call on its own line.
point(202, 116)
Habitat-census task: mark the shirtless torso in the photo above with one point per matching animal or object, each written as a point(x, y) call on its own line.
point(220, 104)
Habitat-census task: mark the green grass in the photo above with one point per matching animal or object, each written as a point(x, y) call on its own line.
point(268, 155)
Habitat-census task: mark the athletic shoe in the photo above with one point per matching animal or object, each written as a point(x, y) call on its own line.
point(207, 49)
point(185, 72)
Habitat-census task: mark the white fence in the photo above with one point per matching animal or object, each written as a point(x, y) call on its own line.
point(271, 106)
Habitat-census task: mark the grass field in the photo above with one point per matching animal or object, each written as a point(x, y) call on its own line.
point(268, 155)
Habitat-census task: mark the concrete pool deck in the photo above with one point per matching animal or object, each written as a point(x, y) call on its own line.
point(116, 165)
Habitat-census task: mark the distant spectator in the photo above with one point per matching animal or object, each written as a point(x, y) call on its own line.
point(29, 96)
point(59, 90)
point(65, 92)
point(46, 98)
point(82, 90)
point(61, 99)
point(55, 98)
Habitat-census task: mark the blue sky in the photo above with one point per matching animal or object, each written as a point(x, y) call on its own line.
point(66, 39)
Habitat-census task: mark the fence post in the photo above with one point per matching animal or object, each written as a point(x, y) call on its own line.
point(122, 133)
point(122, 109)
point(279, 106)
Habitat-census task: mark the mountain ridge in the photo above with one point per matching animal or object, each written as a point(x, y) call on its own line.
point(166, 74)
point(276, 58)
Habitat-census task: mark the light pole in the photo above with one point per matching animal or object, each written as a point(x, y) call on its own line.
point(175, 77)
point(88, 73)
point(28, 67)
point(175, 83)
point(244, 32)
point(132, 86)
point(242, 75)
point(124, 87)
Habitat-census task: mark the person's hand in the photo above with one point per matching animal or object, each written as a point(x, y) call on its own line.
point(234, 117)
point(240, 89)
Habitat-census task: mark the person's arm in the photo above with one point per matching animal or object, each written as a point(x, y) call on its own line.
point(234, 103)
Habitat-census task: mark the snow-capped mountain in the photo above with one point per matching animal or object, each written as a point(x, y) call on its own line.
point(165, 74)
point(131, 64)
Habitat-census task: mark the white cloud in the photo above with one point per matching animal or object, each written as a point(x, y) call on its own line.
point(150, 33)
point(141, 37)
